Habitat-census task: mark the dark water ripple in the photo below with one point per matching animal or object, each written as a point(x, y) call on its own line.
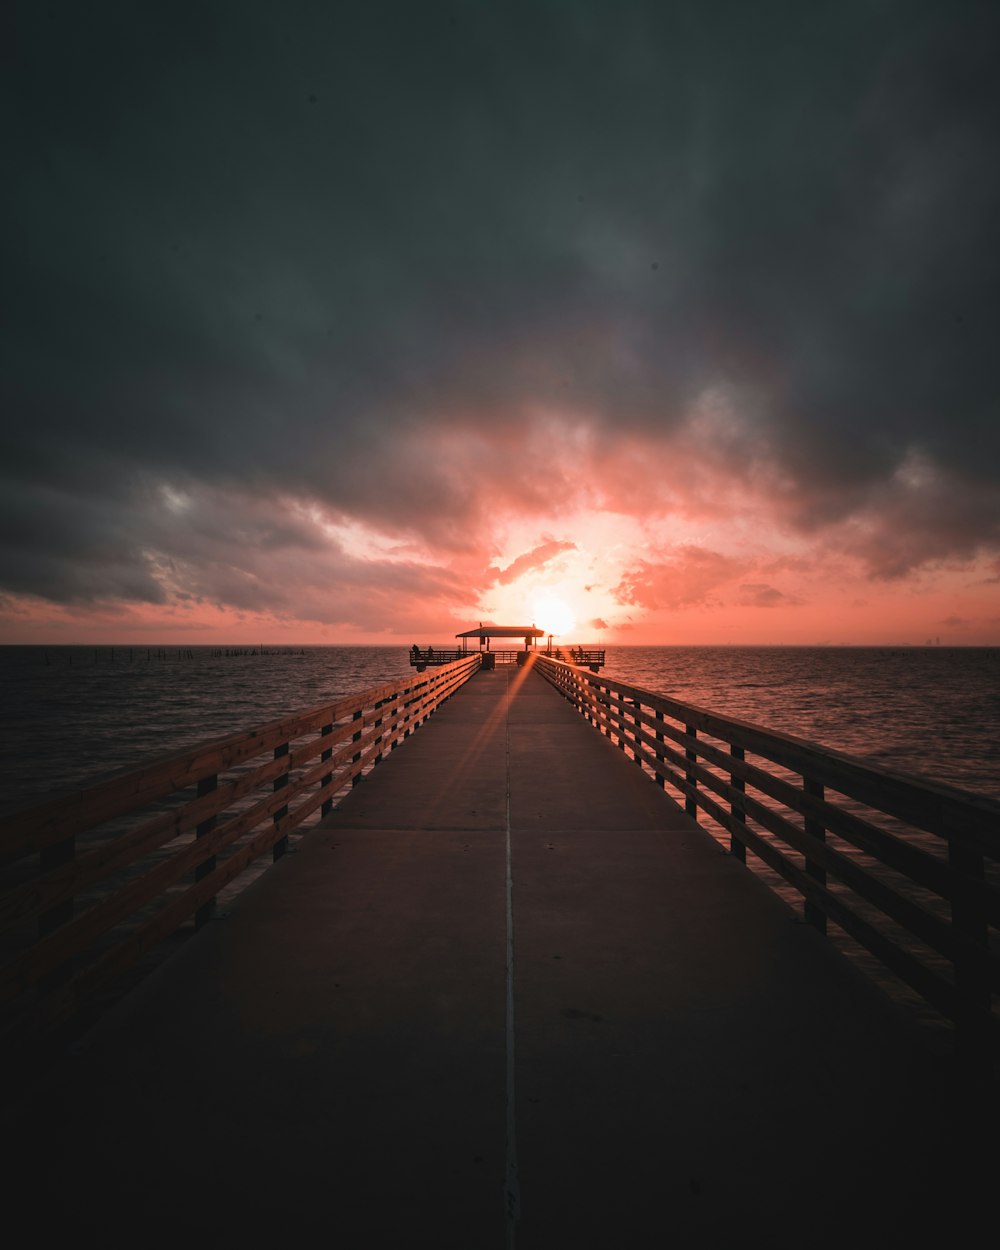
point(933, 711)
point(72, 713)
point(68, 714)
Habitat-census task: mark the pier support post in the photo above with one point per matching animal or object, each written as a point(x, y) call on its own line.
point(378, 738)
point(737, 847)
point(357, 756)
point(691, 755)
point(394, 738)
point(660, 758)
point(634, 740)
point(281, 846)
point(621, 721)
point(325, 780)
point(811, 913)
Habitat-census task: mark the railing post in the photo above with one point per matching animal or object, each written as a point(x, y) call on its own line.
point(356, 738)
point(814, 829)
point(659, 755)
point(637, 750)
point(395, 721)
point(633, 735)
point(205, 913)
point(968, 920)
point(378, 737)
point(281, 846)
point(691, 755)
point(737, 848)
point(325, 780)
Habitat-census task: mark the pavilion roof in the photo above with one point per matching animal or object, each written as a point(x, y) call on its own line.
point(503, 631)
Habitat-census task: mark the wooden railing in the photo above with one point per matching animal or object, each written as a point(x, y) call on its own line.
point(589, 657)
point(908, 868)
point(436, 656)
point(586, 657)
point(92, 882)
point(429, 656)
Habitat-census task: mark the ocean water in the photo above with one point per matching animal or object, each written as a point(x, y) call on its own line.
point(928, 711)
point(69, 714)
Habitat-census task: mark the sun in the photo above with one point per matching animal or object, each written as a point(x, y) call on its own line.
point(553, 614)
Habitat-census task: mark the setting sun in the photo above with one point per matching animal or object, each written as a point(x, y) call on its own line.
point(553, 614)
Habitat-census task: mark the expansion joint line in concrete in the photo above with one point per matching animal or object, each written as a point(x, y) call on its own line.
point(512, 1189)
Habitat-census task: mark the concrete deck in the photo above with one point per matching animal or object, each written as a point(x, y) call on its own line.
point(330, 1061)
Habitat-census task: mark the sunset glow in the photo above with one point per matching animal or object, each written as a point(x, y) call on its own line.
point(605, 339)
point(553, 614)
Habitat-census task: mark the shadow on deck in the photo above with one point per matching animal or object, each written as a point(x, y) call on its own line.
point(685, 1063)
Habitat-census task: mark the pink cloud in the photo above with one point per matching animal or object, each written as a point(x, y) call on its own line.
point(691, 575)
point(537, 558)
point(761, 595)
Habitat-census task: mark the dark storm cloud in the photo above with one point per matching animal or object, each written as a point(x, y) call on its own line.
point(318, 251)
point(761, 595)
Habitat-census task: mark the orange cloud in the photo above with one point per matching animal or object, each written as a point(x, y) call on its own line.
point(537, 558)
point(691, 575)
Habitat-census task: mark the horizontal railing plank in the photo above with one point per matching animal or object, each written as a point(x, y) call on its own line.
point(926, 804)
point(113, 930)
point(913, 862)
point(703, 757)
point(128, 789)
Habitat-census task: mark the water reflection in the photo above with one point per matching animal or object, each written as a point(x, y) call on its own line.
point(70, 713)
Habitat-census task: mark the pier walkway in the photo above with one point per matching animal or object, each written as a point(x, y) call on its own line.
point(347, 1057)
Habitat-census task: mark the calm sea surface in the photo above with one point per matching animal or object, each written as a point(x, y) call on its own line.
point(71, 713)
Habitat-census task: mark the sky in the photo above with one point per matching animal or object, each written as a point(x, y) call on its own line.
point(644, 322)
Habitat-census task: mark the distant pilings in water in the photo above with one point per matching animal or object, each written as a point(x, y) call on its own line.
point(131, 655)
point(219, 652)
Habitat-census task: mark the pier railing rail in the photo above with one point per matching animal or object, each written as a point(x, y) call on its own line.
point(586, 657)
point(90, 883)
point(447, 655)
point(906, 867)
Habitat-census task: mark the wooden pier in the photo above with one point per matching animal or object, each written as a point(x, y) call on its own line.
point(422, 658)
point(507, 992)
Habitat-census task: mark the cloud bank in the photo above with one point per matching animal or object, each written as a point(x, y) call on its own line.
point(347, 315)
